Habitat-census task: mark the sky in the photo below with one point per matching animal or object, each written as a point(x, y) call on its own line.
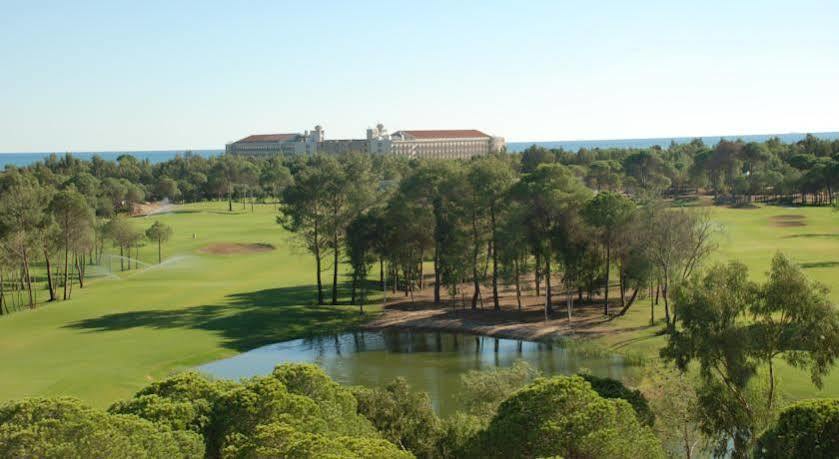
point(105, 76)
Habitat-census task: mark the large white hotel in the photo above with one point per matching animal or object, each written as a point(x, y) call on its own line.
point(435, 144)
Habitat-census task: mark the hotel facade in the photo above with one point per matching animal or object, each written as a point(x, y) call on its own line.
point(433, 144)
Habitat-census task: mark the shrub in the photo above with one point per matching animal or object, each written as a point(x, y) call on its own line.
point(805, 429)
point(404, 417)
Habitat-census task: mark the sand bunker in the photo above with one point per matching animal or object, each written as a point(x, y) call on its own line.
point(230, 248)
point(787, 220)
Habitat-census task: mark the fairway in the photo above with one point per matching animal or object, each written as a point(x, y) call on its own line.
point(753, 236)
point(117, 334)
point(225, 291)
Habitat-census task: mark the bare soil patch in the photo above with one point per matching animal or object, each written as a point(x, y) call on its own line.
point(787, 220)
point(529, 323)
point(231, 248)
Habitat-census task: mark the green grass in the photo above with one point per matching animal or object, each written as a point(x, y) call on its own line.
point(751, 236)
point(114, 336)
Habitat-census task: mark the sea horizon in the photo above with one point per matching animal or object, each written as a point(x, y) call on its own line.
point(20, 159)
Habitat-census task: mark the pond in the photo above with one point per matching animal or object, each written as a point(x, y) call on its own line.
point(429, 361)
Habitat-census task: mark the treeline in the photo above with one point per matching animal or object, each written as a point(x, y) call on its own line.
point(298, 411)
point(486, 224)
point(803, 173)
point(50, 234)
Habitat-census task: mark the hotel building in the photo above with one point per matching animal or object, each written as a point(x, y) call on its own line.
point(435, 144)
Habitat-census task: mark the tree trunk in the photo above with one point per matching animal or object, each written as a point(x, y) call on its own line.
point(28, 278)
point(317, 263)
point(437, 276)
point(354, 284)
point(475, 251)
point(652, 306)
point(518, 283)
point(630, 302)
point(66, 271)
point(50, 284)
point(382, 274)
point(606, 291)
point(335, 269)
point(80, 270)
point(537, 272)
point(494, 260)
point(622, 287)
point(549, 309)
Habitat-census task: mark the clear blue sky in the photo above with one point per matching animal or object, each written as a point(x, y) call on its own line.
point(172, 75)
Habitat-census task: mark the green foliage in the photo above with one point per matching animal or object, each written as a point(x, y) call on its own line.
point(64, 427)
point(404, 417)
point(484, 390)
point(459, 431)
point(805, 429)
point(564, 416)
point(281, 440)
point(336, 404)
point(734, 327)
point(183, 402)
point(612, 388)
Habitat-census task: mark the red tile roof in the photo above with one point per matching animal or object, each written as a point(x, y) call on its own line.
point(444, 134)
point(269, 138)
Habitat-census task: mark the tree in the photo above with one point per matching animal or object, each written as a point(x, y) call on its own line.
point(275, 177)
point(677, 242)
point(404, 417)
point(805, 429)
point(64, 427)
point(75, 220)
point(491, 179)
point(674, 401)
point(361, 240)
point(735, 329)
point(167, 188)
point(548, 195)
point(608, 212)
point(304, 213)
point(564, 416)
point(160, 233)
point(22, 207)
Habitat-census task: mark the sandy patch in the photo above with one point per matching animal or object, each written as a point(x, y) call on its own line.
point(529, 323)
point(150, 208)
point(787, 220)
point(230, 248)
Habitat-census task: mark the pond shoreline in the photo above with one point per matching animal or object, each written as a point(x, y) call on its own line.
point(528, 324)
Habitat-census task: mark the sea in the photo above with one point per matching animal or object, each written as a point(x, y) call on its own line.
point(157, 156)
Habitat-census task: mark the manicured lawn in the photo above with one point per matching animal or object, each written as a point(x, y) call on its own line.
point(116, 335)
point(753, 236)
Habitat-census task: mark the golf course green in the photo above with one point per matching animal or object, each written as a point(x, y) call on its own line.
point(233, 281)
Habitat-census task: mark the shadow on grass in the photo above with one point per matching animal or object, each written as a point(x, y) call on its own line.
point(245, 321)
point(813, 235)
point(820, 264)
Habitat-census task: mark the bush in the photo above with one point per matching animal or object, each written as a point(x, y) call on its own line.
point(564, 416)
point(405, 418)
point(64, 427)
point(805, 429)
point(484, 390)
point(612, 388)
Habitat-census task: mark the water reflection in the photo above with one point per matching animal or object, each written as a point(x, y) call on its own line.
point(430, 361)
